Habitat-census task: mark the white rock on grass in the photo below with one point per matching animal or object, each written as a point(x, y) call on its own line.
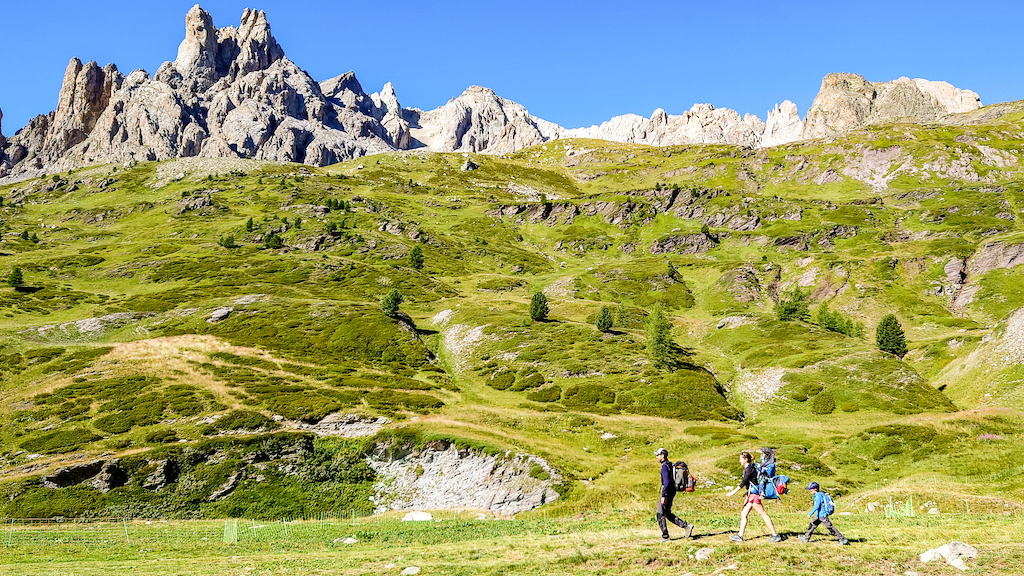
point(418, 516)
point(703, 554)
point(954, 554)
point(411, 571)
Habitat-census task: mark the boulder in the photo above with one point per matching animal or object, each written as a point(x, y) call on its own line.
point(703, 554)
point(220, 314)
point(953, 553)
point(418, 517)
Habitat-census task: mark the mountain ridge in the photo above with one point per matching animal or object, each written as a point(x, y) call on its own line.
point(232, 92)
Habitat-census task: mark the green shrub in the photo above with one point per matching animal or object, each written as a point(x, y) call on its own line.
point(502, 380)
point(60, 441)
point(537, 471)
point(547, 394)
point(793, 305)
point(588, 394)
point(163, 436)
point(241, 420)
point(823, 403)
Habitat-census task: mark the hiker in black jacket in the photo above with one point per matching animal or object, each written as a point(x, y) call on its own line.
point(668, 492)
point(753, 500)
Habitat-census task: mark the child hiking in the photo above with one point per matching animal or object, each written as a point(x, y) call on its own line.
point(753, 500)
point(668, 493)
point(821, 509)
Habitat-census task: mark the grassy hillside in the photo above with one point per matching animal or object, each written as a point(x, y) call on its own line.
point(168, 307)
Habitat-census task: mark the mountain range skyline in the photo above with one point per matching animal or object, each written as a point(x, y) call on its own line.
point(588, 76)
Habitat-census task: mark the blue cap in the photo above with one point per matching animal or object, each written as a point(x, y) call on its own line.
point(813, 486)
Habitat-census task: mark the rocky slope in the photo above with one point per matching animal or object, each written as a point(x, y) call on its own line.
point(232, 92)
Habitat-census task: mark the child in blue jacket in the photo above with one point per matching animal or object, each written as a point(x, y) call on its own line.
point(819, 514)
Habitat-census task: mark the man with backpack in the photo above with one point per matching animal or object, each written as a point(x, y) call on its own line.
point(669, 488)
point(821, 509)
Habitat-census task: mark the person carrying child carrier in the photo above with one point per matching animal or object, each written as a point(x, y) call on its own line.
point(753, 500)
point(821, 509)
point(668, 493)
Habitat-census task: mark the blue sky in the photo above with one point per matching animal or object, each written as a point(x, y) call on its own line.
point(573, 63)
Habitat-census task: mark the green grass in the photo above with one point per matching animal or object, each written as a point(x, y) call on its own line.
point(576, 219)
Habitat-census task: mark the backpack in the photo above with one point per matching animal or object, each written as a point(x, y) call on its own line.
point(828, 505)
point(681, 477)
point(770, 485)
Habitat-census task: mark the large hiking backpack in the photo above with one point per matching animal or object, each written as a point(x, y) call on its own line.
point(681, 477)
point(828, 505)
point(769, 484)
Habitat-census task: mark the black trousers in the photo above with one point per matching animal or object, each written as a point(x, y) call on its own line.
point(827, 523)
point(665, 515)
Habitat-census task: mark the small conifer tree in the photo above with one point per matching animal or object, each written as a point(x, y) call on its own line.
point(659, 338)
point(539, 306)
point(248, 225)
point(391, 301)
point(15, 278)
point(604, 319)
point(890, 338)
point(416, 257)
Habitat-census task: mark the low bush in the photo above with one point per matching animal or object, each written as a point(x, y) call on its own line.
point(60, 441)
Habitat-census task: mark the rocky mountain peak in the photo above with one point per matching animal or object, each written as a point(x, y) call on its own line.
point(3, 141)
point(848, 101)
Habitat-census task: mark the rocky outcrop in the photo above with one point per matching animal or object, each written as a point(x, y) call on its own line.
point(71, 475)
point(110, 476)
point(166, 473)
point(479, 120)
point(961, 276)
point(783, 125)
point(847, 102)
point(229, 93)
point(702, 124)
point(444, 476)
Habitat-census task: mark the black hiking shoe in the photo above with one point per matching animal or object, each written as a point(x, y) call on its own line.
point(688, 531)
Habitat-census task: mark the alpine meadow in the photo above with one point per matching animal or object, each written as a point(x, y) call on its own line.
point(252, 322)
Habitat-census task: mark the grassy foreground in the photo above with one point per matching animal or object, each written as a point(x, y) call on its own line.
point(624, 545)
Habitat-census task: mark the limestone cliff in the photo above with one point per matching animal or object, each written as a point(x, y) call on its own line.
point(847, 102)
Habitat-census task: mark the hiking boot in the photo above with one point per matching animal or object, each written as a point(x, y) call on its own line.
point(804, 539)
point(688, 531)
point(736, 538)
point(775, 538)
point(665, 538)
point(844, 542)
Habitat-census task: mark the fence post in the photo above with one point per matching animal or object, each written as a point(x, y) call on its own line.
point(10, 535)
point(124, 521)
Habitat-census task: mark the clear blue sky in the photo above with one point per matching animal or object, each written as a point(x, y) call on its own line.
point(573, 63)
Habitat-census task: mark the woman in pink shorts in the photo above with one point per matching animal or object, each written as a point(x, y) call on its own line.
point(753, 501)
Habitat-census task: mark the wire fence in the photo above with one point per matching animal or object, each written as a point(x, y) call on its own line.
point(325, 530)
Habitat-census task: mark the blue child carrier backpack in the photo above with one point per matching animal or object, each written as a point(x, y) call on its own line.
point(769, 484)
